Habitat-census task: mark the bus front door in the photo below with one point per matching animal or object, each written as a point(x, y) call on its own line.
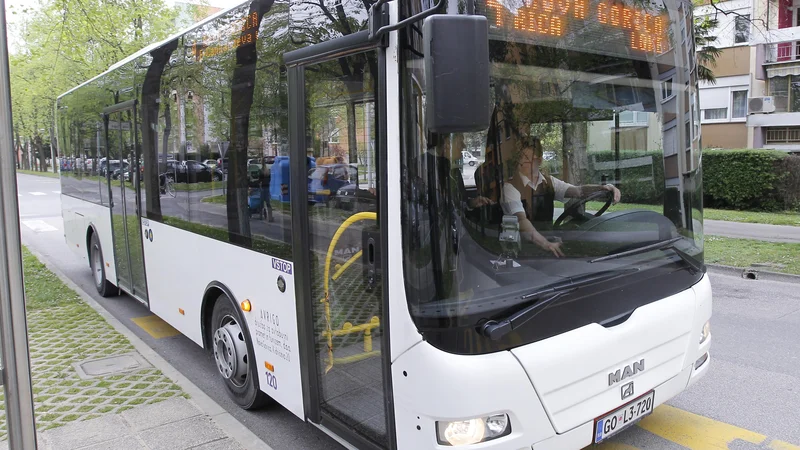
point(123, 167)
point(342, 287)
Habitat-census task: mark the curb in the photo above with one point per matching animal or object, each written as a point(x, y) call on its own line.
point(760, 274)
point(223, 419)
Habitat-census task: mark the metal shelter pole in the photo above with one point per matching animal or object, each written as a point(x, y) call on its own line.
point(13, 326)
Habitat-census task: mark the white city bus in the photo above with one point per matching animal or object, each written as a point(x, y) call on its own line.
point(345, 263)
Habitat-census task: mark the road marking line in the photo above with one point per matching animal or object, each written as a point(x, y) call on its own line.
point(37, 193)
point(155, 327)
point(695, 431)
point(56, 192)
point(39, 225)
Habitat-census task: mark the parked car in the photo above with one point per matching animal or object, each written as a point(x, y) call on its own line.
point(352, 198)
point(468, 158)
point(324, 181)
point(192, 172)
point(106, 166)
point(116, 168)
point(211, 163)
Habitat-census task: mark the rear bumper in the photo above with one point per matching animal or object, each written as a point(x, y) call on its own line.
point(582, 436)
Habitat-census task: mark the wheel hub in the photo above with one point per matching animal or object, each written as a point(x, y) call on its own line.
point(230, 353)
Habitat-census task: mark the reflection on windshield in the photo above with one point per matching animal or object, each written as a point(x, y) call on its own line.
point(580, 161)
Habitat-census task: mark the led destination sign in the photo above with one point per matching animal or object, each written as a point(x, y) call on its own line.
point(647, 31)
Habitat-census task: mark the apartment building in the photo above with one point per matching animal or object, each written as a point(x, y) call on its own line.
point(755, 102)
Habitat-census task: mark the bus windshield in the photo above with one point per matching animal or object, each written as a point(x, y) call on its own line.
point(592, 150)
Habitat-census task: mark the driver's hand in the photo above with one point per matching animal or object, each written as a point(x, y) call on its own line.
point(481, 201)
point(554, 248)
point(617, 193)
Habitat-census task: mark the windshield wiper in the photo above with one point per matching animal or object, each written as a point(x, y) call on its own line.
point(667, 244)
point(544, 298)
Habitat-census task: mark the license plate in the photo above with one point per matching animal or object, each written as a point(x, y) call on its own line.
point(628, 414)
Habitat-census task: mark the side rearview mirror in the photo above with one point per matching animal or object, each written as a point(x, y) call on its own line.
point(456, 73)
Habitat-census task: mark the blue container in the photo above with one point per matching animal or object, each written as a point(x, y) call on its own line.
point(280, 176)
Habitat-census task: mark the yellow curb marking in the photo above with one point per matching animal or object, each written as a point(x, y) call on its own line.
point(155, 327)
point(694, 431)
point(616, 446)
point(780, 445)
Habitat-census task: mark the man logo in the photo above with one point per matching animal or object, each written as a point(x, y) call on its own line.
point(627, 390)
point(627, 372)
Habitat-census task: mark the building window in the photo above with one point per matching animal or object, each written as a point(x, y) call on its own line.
point(715, 114)
point(779, 90)
point(666, 89)
point(742, 29)
point(739, 104)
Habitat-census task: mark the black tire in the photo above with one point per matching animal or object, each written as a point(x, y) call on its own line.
point(217, 177)
point(104, 287)
point(472, 163)
point(243, 390)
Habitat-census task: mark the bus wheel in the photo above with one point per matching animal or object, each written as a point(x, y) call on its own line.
point(97, 264)
point(233, 354)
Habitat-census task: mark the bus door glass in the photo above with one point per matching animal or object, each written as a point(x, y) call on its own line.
point(344, 240)
point(123, 171)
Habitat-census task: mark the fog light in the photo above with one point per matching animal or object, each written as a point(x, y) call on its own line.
point(702, 360)
point(473, 431)
point(705, 332)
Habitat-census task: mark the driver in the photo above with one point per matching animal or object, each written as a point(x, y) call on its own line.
point(528, 194)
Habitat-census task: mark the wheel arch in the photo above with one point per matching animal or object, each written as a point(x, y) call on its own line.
point(213, 292)
point(90, 231)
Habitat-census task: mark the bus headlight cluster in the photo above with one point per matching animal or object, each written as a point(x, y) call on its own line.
point(473, 431)
point(706, 332)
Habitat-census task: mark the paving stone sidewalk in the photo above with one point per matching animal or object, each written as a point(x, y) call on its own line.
point(173, 424)
point(128, 404)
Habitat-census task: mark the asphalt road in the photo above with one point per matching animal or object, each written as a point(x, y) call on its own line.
point(750, 399)
point(760, 231)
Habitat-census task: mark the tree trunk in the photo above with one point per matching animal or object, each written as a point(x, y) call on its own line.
point(574, 139)
point(18, 149)
point(38, 149)
point(352, 139)
point(151, 91)
point(243, 86)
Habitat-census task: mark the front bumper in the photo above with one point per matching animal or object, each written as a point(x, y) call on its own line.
point(583, 435)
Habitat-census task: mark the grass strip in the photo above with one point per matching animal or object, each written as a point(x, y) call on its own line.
point(37, 173)
point(775, 256)
point(62, 330)
point(191, 187)
point(772, 218)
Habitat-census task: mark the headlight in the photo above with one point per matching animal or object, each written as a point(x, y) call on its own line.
point(473, 431)
point(705, 332)
point(341, 192)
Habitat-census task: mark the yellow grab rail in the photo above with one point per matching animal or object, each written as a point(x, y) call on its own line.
point(348, 328)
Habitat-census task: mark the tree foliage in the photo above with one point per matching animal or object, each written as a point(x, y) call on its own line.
point(67, 42)
point(705, 50)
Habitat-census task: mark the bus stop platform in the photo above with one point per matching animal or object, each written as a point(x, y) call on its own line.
point(172, 424)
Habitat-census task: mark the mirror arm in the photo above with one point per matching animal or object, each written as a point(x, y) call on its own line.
point(377, 19)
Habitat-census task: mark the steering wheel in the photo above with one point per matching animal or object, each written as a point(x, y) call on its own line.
point(573, 210)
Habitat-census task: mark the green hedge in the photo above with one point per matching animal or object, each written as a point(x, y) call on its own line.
point(746, 179)
point(634, 189)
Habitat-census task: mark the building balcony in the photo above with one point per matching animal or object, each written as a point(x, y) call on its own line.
point(782, 135)
point(776, 119)
point(782, 52)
